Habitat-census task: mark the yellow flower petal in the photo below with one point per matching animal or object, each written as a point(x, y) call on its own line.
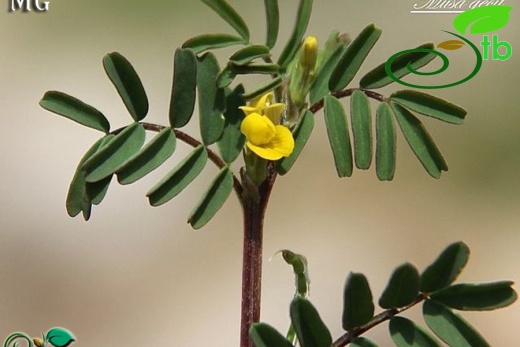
point(248, 110)
point(258, 130)
point(283, 141)
point(274, 112)
point(261, 101)
point(263, 152)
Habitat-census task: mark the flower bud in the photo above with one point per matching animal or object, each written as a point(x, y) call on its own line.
point(309, 53)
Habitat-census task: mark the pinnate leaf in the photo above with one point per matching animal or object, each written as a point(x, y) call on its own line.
point(74, 109)
point(224, 10)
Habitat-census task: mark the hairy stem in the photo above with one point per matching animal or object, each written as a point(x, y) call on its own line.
point(380, 318)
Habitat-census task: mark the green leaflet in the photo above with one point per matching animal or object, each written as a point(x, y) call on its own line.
point(477, 297)
point(446, 268)
point(450, 327)
point(292, 46)
point(232, 140)
point(320, 86)
point(301, 135)
point(213, 199)
point(74, 109)
point(201, 43)
point(225, 76)
point(354, 56)
point(122, 147)
point(179, 177)
point(406, 333)
point(310, 329)
point(182, 100)
point(420, 141)
point(358, 307)
point(339, 139)
point(362, 342)
point(265, 69)
point(224, 10)
point(267, 87)
point(263, 335)
point(400, 66)
point(249, 53)
point(77, 201)
point(429, 105)
point(361, 118)
point(402, 288)
point(211, 99)
point(96, 191)
point(150, 157)
point(482, 20)
point(385, 143)
point(273, 22)
point(127, 84)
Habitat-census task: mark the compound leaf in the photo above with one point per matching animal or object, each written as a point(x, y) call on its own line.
point(213, 199)
point(402, 288)
point(150, 157)
point(385, 143)
point(420, 141)
point(476, 297)
point(224, 10)
point(301, 135)
point(406, 333)
point(182, 100)
point(310, 329)
point(446, 268)
point(264, 335)
point(358, 307)
point(179, 177)
point(451, 327)
point(201, 43)
point(127, 83)
point(339, 139)
point(354, 56)
point(109, 158)
point(361, 118)
point(74, 109)
point(429, 105)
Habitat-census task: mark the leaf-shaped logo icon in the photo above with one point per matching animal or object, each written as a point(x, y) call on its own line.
point(482, 20)
point(451, 45)
point(60, 337)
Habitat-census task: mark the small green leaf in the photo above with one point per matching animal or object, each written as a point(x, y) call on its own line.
point(301, 135)
point(310, 329)
point(150, 157)
point(74, 109)
point(476, 297)
point(406, 333)
point(302, 20)
point(225, 77)
point(179, 177)
point(60, 337)
point(96, 191)
point(358, 307)
point(267, 87)
point(385, 143)
point(320, 86)
point(446, 268)
point(224, 10)
point(361, 117)
point(402, 288)
point(264, 335)
point(450, 327)
point(211, 99)
point(420, 141)
point(429, 105)
point(201, 43)
point(362, 342)
point(273, 22)
point(127, 84)
point(213, 199)
point(264, 69)
point(401, 66)
point(339, 139)
point(77, 201)
point(182, 100)
point(301, 271)
point(122, 147)
point(249, 53)
point(232, 140)
point(484, 19)
point(354, 56)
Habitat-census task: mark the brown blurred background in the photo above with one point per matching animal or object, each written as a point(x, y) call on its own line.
point(137, 275)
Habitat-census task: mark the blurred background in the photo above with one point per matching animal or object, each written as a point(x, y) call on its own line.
point(137, 275)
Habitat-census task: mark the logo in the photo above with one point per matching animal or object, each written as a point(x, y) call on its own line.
point(57, 337)
point(29, 5)
point(477, 21)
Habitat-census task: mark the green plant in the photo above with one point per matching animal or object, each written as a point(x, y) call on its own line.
point(270, 125)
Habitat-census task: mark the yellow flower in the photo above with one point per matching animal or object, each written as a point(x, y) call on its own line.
point(262, 106)
point(265, 139)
